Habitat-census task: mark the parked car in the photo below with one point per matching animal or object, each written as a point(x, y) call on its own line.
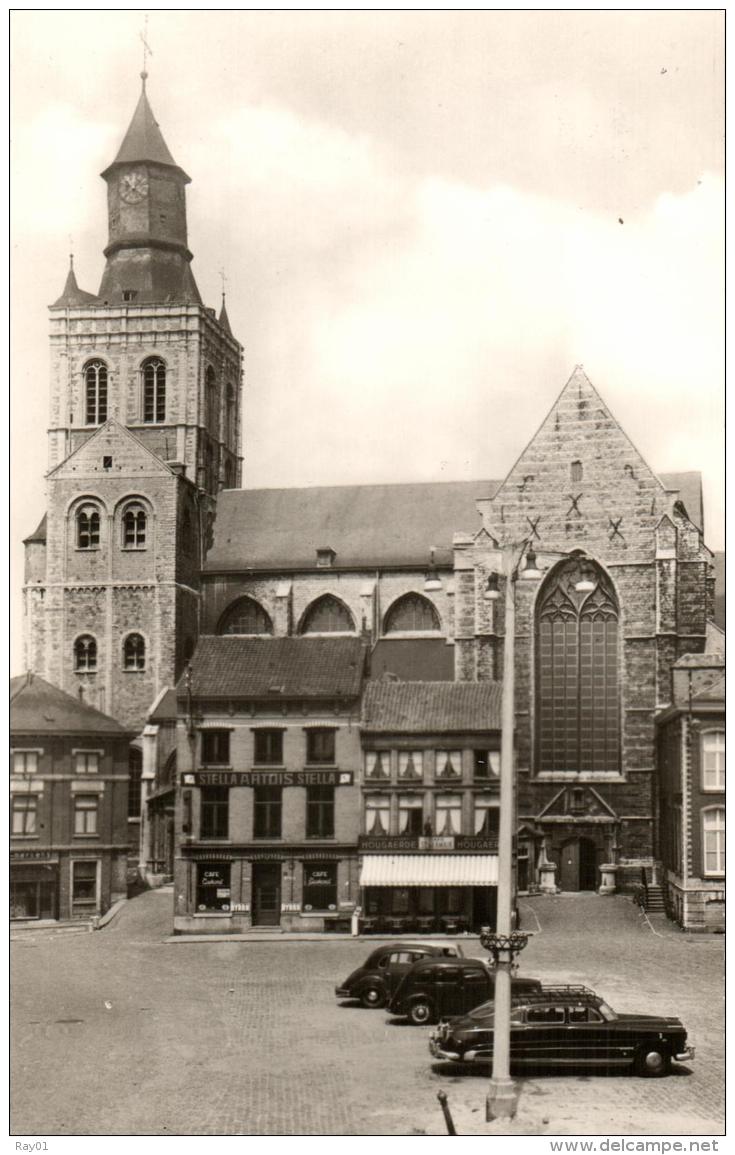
point(374, 982)
point(566, 1027)
point(437, 987)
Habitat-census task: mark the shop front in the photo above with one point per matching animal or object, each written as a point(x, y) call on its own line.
point(34, 888)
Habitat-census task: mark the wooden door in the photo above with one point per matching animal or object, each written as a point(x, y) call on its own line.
point(266, 894)
point(569, 866)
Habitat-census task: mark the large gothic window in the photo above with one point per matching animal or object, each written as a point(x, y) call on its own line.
point(245, 617)
point(577, 671)
point(411, 614)
point(327, 615)
point(212, 402)
point(95, 393)
point(154, 391)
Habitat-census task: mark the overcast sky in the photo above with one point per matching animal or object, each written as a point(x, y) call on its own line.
point(426, 219)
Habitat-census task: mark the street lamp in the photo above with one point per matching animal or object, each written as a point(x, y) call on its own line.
point(505, 942)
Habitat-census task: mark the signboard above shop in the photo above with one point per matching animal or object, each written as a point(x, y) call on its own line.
point(463, 842)
point(269, 778)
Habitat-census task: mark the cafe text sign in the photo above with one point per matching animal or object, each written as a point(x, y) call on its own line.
point(269, 778)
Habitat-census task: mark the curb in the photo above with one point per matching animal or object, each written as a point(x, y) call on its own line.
point(105, 919)
point(298, 936)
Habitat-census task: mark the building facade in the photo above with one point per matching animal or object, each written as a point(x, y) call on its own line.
point(68, 805)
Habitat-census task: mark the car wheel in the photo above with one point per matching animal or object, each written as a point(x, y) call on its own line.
point(372, 996)
point(652, 1062)
point(421, 1012)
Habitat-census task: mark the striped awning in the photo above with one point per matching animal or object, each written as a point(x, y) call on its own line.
point(429, 870)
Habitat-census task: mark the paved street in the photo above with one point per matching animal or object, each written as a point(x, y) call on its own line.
point(120, 1032)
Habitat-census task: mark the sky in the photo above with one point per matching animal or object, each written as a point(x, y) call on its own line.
point(424, 219)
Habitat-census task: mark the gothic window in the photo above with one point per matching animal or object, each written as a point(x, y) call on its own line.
point(327, 615)
point(577, 671)
point(576, 472)
point(229, 416)
point(134, 525)
point(134, 652)
point(245, 617)
point(85, 654)
point(154, 391)
point(212, 407)
point(88, 527)
point(95, 393)
point(411, 614)
point(229, 475)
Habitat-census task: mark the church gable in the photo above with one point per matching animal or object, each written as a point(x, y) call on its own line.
point(579, 481)
point(573, 801)
point(111, 451)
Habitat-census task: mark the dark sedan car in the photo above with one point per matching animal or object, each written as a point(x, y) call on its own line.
point(567, 1027)
point(374, 982)
point(435, 987)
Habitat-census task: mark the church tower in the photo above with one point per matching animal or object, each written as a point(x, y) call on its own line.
point(144, 432)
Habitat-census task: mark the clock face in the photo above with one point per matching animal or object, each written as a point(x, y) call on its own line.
point(133, 187)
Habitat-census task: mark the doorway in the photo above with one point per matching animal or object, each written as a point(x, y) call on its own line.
point(578, 865)
point(266, 894)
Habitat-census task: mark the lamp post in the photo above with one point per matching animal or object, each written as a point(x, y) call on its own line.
point(505, 942)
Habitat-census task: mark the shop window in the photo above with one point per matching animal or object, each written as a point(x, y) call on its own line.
point(411, 614)
point(400, 900)
point(216, 747)
point(84, 887)
point(85, 814)
point(327, 615)
point(269, 747)
point(320, 886)
point(85, 654)
point(410, 814)
point(268, 805)
point(448, 814)
point(213, 886)
point(88, 527)
point(377, 764)
point(411, 765)
point(320, 812)
point(320, 746)
point(713, 830)
point(25, 761)
point(33, 892)
point(215, 812)
point(135, 783)
point(487, 816)
point(449, 763)
point(486, 765)
point(95, 382)
point(134, 527)
point(154, 391)
point(24, 811)
point(245, 617)
point(713, 760)
point(377, 814)
point(86, 762)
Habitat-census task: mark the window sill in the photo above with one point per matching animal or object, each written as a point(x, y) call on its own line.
point(133, 548)
point(25, 837)
point(88, 837)
point(124, 671)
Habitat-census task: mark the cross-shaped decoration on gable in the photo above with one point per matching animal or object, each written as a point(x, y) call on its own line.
point(533, 523)
point(574, 507)
point(615, 524)
point(524, 483)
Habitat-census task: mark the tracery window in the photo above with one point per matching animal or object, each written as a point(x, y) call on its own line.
point(327, 615)
point(134, 652)
point(211, 400)
point(154, 391)
point(246, 616)
point(134, 526)
point(88, 527)
point(85, 654)
point(577, 671)
point(411, 614)
point(95, 393)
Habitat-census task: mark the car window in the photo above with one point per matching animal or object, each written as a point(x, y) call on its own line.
point(578, 1014)
point(545, 1015)
point(516, 1016)
point(450, 951)
point(383, 960)
point(404, 956)
point(607, 1013)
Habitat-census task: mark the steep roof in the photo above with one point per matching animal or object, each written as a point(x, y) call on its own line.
point(144, 139)
point(224, 320)
point(413, 659)
point(38, 707)
point(714, 692)
point(72, 294)
point(39, 533)
point(366, 525)
point(279, 668)
point(438, 707)
point(690, 493)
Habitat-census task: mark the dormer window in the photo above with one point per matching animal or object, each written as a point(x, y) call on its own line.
point(129, 294)
point(325, 557)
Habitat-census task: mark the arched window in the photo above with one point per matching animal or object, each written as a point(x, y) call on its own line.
point(134, 526)
point(134, 652)
point(327, 615)
point(95, 393)
point(135, 777)
point(88, 527)
point(85, 654)
point(577, 674)
point(229, 416)
point(211, 400)
point(245, 617)
point(154, 391)
point(411, 614)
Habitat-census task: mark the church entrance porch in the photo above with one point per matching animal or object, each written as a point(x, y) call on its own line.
point(578, 865)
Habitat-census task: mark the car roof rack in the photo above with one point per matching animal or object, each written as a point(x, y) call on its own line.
point(549, 993)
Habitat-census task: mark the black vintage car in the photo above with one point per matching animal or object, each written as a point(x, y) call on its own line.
point(436, 987)
point(374, 982)
point(566, 1027)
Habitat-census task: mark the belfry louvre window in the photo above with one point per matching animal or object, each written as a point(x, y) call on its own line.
point(134, 527)
point(411, 614)
point(154, 391)
point(577, 671)
point(95, 391)
point(88, 527)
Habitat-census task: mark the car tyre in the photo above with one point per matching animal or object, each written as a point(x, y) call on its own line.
point(372, 996)
point(652, 1062)
point(421, 1012)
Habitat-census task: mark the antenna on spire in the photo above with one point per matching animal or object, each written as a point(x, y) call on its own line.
point(224, 282)
point(71, 252)
point(147, 51)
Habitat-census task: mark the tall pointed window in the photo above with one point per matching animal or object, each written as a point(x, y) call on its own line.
point(327, 615)
point(212, 401)
point(154, 391)
point(246, 616)
point(411, 614)
point(577, 671)
point(95, 393)
point(229, 416)
point(88, 527)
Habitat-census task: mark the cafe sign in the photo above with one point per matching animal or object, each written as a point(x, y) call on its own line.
point(269, 778)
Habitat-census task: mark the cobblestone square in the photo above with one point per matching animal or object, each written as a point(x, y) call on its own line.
point(123, 1032)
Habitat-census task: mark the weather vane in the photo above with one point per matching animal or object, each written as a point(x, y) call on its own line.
point(224, 281)
point(147, 50)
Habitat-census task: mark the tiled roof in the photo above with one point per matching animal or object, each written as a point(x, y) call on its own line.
point(413, 659)
point(73, 295)
point(715, 692)
point(366, 525)
point(309, 667)
point(37, 707)
point(437, 707)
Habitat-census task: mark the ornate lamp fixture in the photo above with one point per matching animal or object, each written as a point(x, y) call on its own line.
point(432, 581)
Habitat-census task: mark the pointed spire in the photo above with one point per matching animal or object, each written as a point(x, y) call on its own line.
point(72, 294)
point(224, 320)
point(144, 140)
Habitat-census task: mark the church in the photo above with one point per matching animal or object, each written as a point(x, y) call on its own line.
point(151, 556)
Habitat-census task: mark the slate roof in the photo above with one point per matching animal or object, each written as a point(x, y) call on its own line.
point(715, 692)
point(39, 533)
point(73, 295)
point(144, 139)
point(413, 659)
point(690, 493)
point(303, 667)
point(37, 707)
point(164, 708)
point(697, 661)
point(437, 707)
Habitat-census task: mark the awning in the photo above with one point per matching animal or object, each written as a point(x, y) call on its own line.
point(429, 870)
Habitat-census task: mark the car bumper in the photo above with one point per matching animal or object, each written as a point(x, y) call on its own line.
point(685, 1056)
point(342, 993)
point(439, 1053)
